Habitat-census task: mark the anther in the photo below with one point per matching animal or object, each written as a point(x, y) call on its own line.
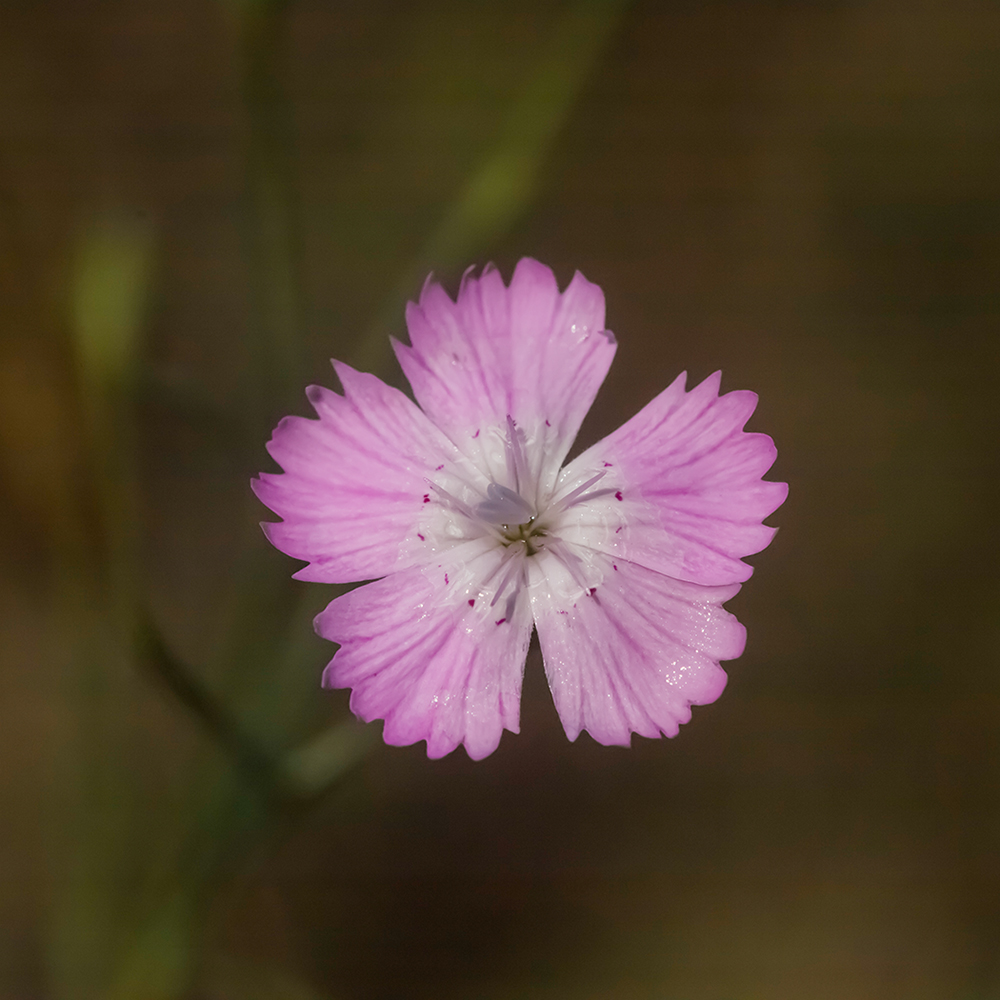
point(504, 506)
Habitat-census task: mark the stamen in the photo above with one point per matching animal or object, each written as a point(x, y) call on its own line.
point(452, 501)
point(508, 611)
point(517, 466)
point(571, 496)
point(514, 568)
point(580, 494)
point(509, 553)
point(572, 562)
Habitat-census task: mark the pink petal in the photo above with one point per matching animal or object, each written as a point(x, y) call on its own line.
point(635, 654)
point(354, 480)
point(692, 495)
point(526, 351)
point(436, 668)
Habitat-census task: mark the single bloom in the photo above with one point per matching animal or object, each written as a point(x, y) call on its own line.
point(460, 509)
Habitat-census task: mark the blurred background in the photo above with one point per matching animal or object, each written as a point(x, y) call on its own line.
point(201, 202)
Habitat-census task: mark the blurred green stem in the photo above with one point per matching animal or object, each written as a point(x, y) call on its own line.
point(96, 587)
point(185, 685)
point(505, 183)
point(295, 778)
point(272, 231)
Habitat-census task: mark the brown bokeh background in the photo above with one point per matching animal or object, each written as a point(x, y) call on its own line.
point(805, 195)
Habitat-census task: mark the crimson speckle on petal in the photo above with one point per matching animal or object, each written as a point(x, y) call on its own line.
point(460, 509)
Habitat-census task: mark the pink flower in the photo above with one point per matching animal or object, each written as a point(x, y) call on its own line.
point(463, 508)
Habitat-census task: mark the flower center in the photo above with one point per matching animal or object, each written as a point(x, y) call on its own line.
point(517, 523)
point(530, 532)
point(514, 519)
point(523, 518)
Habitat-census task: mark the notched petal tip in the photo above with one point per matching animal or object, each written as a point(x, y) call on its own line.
point(429, 281)
point(318, 395)
point(346, 373)
point(478, 753)
point(709, 698)
point(612, 739)
point(529, 267)
point(527, 271)
point(468, 278)
point(712, 382)
point(583, 301)
point(776, 494)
